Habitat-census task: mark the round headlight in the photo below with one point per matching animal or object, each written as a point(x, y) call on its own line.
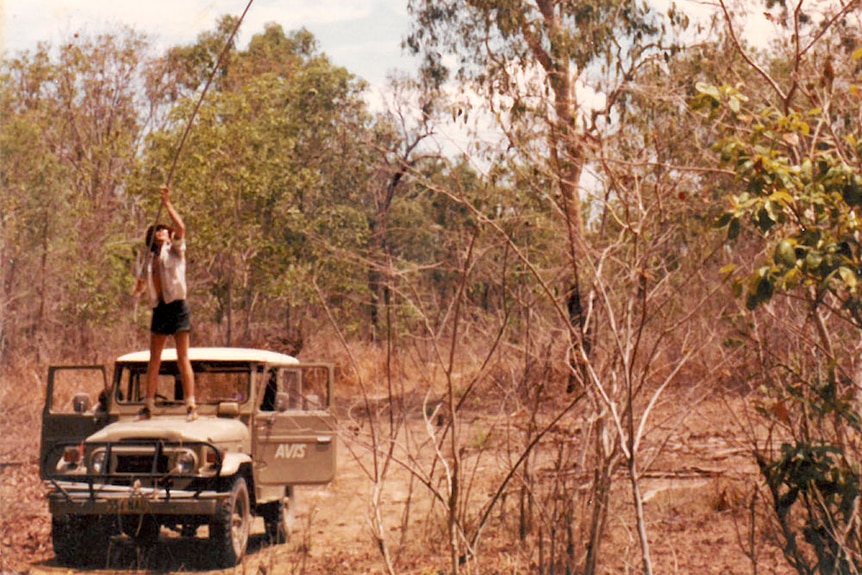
point(186, 462)
point(97, 462)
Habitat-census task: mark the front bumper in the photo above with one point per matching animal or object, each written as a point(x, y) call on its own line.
point(72, 498)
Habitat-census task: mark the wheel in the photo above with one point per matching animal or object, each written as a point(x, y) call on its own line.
point(278, 518)
point(81, 541)
point(230, 528)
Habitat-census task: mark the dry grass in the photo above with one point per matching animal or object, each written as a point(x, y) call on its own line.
point(698, 493)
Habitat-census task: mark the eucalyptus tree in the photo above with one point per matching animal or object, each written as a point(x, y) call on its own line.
point(559, 80)
point(542, 68)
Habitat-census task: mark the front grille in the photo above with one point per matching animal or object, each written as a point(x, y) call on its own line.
point(141, 464)
point(123, 462)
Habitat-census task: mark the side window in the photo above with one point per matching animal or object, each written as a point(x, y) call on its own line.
point(307, 388)
point(303, 388)
point(315, 390)
point(293, 387)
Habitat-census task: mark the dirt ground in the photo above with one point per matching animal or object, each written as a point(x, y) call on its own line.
point(697, 501)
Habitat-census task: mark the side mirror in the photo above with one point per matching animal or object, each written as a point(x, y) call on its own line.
point(282, 402)
point(81, 403)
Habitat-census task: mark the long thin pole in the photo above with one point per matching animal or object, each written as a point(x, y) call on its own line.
point(188, 129)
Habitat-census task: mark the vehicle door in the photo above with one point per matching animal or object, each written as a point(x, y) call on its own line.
point(75, 408)
point(294, 428)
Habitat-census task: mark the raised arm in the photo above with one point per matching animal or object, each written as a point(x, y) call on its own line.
point(179, 228)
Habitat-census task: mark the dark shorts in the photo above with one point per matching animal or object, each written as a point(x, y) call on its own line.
point(169, 318)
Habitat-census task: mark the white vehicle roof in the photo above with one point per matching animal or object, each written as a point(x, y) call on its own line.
point(215, 354)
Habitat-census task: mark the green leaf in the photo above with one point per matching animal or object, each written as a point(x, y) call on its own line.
point(708, 90)
point(785, 253)
point(782, 197)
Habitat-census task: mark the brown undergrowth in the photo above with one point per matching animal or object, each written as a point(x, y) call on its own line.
point(700, 494)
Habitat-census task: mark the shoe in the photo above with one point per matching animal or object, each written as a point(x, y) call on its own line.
point(144, 413)
point(191, 413)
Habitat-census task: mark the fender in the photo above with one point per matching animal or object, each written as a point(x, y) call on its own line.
point(233, 461)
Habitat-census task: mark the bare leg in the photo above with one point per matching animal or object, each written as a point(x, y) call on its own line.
point(185, 365)
point(157, 344)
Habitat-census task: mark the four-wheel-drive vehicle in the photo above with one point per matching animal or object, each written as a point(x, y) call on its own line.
point(264, 426)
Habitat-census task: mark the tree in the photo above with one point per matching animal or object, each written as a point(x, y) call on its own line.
point(514, 52)
point(71, 132)
point(556, 77)
point(793, 145)
point(273, 179)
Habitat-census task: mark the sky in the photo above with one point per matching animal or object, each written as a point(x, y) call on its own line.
point(363, 36)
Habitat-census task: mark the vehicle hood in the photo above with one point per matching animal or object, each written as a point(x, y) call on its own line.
point(209, 429)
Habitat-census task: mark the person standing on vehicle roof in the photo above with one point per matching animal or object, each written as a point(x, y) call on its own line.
point(163, 277)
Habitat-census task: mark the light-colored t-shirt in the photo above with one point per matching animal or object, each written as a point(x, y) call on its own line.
point(172, 273)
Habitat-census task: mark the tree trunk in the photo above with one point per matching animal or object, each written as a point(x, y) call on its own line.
point(601, 490)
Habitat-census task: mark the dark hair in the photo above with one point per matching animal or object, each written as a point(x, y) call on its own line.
point(151, 233)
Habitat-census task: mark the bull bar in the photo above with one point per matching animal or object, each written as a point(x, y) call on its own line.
point(81, 491)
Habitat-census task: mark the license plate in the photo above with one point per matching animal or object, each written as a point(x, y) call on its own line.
point(134, 504)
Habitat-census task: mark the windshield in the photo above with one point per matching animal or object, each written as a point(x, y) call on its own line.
point(215, 382)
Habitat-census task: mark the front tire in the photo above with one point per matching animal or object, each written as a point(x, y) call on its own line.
point(230, 529)
point(80, 541)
